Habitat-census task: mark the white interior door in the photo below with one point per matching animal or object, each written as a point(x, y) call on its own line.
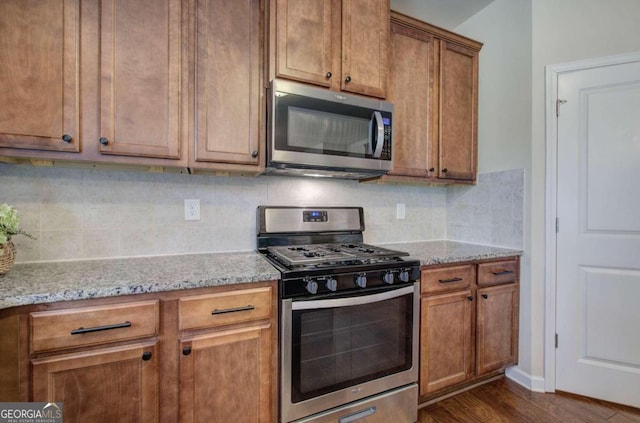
point(598, 242)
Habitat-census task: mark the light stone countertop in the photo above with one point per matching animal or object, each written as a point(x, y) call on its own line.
point(35, 283)
point(443, 252)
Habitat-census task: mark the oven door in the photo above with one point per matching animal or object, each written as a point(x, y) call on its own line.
point(339, 350)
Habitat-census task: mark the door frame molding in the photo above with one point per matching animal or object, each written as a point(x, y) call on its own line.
point(552, 72)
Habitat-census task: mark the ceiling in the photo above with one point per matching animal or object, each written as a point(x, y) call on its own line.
point(447, 14)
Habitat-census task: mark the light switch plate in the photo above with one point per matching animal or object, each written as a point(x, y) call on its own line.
point(191, 209)
point(400, 210)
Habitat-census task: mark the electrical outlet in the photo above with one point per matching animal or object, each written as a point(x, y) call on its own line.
point(192, 209)
point(400, 211)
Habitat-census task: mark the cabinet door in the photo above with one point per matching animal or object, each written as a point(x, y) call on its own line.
point(227, 376)
point(446, 349)
point(458, 112)
point(140, 71)
point(411, 85)
point(39, 74)
point(497, 332)
point(118, 384)
point(365, 42)
point(229, 93)
point(304, 45)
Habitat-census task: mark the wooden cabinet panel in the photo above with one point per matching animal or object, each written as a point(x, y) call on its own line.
point(365, 39)
point(227, 376)
point(446, 348)
point(449, 278)
point(104, 385)
point(39, 74)
point(498, 272)
point(140, 78)
point(228, 85)
point(497, 329)
point(58, 329)
point(458, 111)
point(340, 44)
point(304, 43)
point(202, 311)
point(411, 92)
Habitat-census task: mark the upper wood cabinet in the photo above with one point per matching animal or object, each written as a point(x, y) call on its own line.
point(140, 78)
point(458, 126)
point(433, 84)
point(342, 45)
point(39, 75)
point(229, 94)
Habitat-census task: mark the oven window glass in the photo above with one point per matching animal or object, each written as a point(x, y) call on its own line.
point(335, 348)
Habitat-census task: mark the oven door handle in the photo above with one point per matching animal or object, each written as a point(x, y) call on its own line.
point(351, 301)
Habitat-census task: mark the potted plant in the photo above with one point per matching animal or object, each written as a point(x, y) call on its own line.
point(9, 226)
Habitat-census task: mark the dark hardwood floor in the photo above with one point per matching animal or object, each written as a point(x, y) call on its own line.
point(505, 401)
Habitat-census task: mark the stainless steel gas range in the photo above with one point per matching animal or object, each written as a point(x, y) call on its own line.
point(348, 317)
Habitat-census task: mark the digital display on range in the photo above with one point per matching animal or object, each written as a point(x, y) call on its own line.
point(315, 216)
point(386, 121)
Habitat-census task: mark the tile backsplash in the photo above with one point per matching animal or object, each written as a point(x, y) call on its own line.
point(79, 213)
point(491, 212)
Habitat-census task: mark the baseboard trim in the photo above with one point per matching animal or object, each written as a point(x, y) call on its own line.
point(532, 383)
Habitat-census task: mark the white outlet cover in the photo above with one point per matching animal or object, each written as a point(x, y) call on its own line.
point(400, 209)
point(191, 209)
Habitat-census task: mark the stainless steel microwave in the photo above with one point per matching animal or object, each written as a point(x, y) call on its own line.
point(318, 132)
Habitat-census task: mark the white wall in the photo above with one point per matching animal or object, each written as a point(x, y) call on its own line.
point(521, 34)
point(504, 121)
point(565, 31)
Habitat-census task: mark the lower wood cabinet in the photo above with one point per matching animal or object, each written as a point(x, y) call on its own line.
point(447, 325)
point(468, 325)
point(225, 376)
point(202, 355)
point(115, 384)
point(497, 329)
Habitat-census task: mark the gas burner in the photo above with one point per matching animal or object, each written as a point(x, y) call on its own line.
point(312, 254)
point(297, 249)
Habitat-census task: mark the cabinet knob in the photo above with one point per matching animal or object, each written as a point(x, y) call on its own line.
point(186, 351)
point(347, 79)
point(432, 169)
point(104, 141)
point(146, 356)
point(485, 296)
point(445, 170)
point(328, 75)
point(254, 154)
point(67, 138)
point(470, 298)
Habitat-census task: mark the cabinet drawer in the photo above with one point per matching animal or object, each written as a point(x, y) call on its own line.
point(203, 311)
point(498, 272)
point(446, 278)
point(58, 329)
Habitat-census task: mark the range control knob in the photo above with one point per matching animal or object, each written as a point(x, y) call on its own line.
point(312, 286)
point(388, 278)
point(404, 276)
point(332, 284)
point(361, 280)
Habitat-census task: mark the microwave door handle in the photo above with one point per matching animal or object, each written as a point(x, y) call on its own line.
point(377, 117)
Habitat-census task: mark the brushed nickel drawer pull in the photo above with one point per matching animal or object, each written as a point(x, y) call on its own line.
point(503, 272)
point(449, 280)
point(233, 310)
point(82, 330)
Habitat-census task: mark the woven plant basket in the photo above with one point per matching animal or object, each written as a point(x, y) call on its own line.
point(7, 257)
